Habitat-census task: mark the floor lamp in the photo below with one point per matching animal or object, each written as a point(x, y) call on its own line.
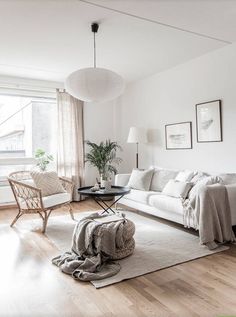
point(137, 135)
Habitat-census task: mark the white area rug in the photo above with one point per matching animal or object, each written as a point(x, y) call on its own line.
point(158, 245)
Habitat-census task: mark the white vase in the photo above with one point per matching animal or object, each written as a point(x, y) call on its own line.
point(106, 184)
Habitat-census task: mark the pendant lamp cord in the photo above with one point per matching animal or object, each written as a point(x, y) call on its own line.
point(94, 50)
point(94, 28)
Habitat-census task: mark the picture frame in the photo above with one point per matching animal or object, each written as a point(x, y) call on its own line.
point(179, 136)
point(209, 121)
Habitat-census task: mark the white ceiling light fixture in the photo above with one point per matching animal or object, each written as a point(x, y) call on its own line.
point(94, 84)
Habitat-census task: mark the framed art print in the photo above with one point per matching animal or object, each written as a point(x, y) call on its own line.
point(208, 121)
point(178, 136)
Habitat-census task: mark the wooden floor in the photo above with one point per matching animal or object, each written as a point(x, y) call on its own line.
point(31, 286)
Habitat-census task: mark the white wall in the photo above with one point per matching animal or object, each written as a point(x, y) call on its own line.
point(170, 97)
point(101, 122)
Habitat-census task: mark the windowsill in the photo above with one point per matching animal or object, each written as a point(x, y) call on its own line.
point(17, 161)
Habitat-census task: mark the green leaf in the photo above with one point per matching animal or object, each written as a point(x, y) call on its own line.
point(43, 159)
point(103, 156)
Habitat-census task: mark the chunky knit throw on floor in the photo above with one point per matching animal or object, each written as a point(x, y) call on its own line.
point(96, 242)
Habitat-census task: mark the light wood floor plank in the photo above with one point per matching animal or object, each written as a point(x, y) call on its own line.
point(31, 286)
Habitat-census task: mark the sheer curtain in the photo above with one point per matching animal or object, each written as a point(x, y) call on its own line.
point(70, 160)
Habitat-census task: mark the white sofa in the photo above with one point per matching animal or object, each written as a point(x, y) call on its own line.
point(154, 202)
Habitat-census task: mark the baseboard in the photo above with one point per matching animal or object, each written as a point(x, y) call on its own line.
point(8, 206)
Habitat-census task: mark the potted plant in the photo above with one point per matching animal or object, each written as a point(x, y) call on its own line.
point(103, 157)
point(43, 159)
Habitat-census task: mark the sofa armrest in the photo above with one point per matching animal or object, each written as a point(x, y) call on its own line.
point(122, 179)
point(231, 190)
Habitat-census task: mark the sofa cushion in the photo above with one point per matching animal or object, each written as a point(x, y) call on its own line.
point(166, 203)
point(160, 178)
point(140, 179)
point(184, 176)
point(228, 178)
point(57, 199)
point(140, 196)
point(48, 182)
point(177, 189)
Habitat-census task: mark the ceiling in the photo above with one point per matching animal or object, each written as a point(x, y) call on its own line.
point(48, 39)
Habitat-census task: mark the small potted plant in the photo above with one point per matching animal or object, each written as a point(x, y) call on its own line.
point(43, 159)
point(103, 157)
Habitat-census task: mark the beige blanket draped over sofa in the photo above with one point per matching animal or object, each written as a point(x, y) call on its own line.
point(209, 212)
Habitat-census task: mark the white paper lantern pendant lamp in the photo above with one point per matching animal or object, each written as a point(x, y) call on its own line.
point(94, 84)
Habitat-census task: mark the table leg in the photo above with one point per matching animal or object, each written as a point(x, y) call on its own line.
point(98, 201)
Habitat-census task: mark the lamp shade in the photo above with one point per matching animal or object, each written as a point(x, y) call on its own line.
point(94, 84)
point(137, 135)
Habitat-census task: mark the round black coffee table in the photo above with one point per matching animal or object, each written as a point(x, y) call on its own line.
point(100, 195)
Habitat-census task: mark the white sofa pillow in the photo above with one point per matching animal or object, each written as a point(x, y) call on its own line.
point(160, 179)
point(184, 176)
point(140, 179)
point(48, 182)
point(177, 189)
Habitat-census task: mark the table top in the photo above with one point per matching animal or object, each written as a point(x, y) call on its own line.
point(114, 191)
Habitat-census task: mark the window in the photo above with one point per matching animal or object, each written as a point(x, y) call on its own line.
point(26, 124)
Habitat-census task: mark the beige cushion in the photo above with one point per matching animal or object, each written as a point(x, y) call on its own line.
point(140, 179)
point(160, 179)
point(177, 189)
point(48, 182)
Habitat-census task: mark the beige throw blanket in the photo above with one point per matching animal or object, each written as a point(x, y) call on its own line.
point(209, 212)
point(94, 245)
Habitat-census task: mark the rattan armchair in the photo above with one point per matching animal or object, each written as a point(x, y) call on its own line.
point(29, 198)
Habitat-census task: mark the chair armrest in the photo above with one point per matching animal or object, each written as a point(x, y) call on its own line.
point(122, 179)
point(67, 184)
point(23, 184)
point(27, 196)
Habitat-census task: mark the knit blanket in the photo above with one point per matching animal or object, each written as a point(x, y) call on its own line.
point(209, 212)
point(96, 242)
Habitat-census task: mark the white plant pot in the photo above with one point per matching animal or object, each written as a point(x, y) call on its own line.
point(106, 184)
